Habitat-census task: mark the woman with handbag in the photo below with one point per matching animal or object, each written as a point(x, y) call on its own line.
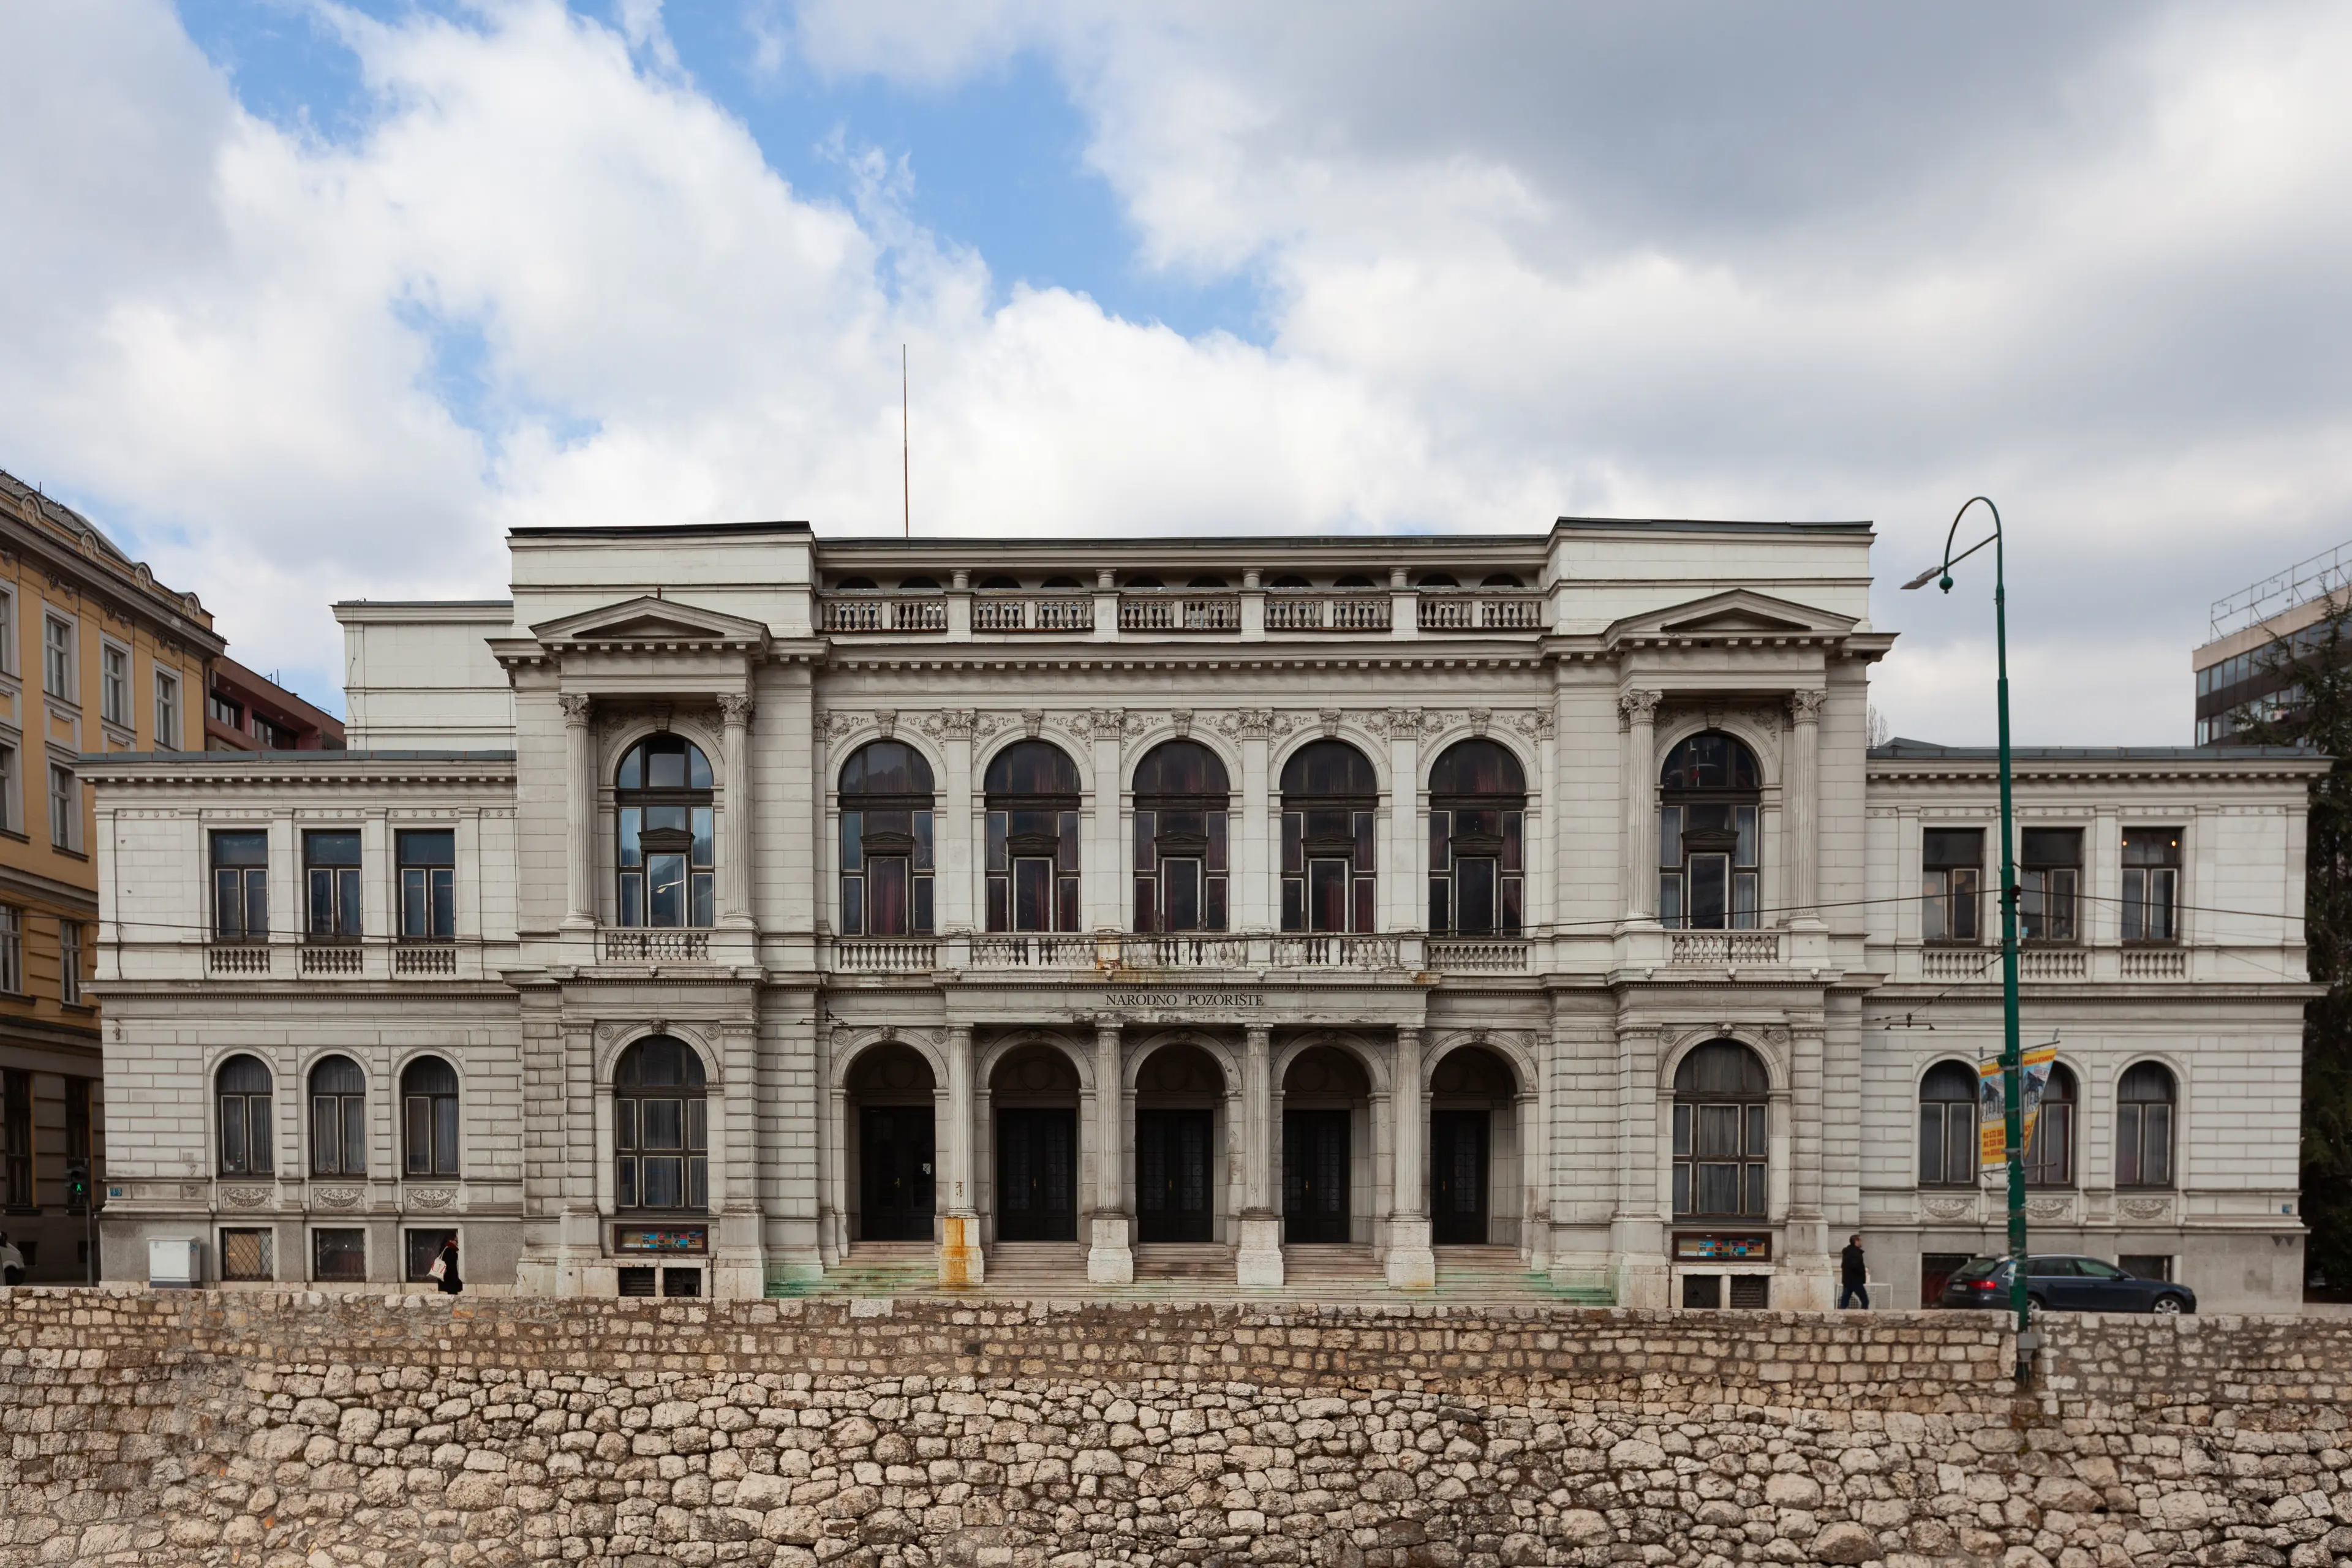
point(444, 1271)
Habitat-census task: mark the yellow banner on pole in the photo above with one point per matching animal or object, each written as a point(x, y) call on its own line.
point(1992, 1111)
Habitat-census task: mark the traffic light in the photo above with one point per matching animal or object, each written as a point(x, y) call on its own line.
point(78, 1184)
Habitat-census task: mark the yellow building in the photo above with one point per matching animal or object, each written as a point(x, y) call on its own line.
point(95, 655)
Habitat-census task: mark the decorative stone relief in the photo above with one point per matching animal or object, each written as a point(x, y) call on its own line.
point(2145, 1208)
point(246, 1197)
point(1481, 719)
point(887, 720)
point(1032, 721)
point(839, 723)
point(336, 1197)
point(430, 1197)
point(1536, 724)
point(1181, 718)
point(1948, 1208)
point(1330, 718)
point(2049, 1208)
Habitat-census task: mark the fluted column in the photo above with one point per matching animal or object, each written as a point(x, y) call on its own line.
point(735, 857)
point(1639, 710)
point(959, 1254)
point(1257, 1260)
point(1412, 1266)
point(1801, 811)
point(1109, 1260)
point(579, 810)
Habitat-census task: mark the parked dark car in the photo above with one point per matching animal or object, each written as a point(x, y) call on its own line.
point(2064, 1283)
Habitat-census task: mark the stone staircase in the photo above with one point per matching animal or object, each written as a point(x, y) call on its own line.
point(875, 1268)
point(1499, 1274)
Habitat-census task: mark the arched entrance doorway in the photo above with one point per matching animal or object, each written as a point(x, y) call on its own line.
point(896, 1153)
point(1035, 1095)
point(1178, 1094)
point(1326, 1117)
point(1472, 1149)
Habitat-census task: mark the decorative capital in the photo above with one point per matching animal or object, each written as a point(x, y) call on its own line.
point(1248, 723)
point(1805, 707)
point(735, 707)
point(952, 723)
point(576, 707)
point(1639, 707)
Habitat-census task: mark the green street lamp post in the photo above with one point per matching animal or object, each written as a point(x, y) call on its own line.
point(2012, 1062)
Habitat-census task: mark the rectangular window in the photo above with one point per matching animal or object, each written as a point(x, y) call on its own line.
point(330, 866)
point(65, 808)
point(240, 887)
point(2049, 878)
point(57, 657)
point(226, 711)
point(12, 950)
point(2143, 1144)
point(16, 1136)
point(421, 1247)
point(69, 960)
point(167, 711)
point(2146, 1265)
point(2151, 884)
point(1947, 1144)
point(9, 819)
point(428, 883)
point(271, 736)
point(339, 1256)
point(249, 1254)
point(1951, 888)
point(114, 684)
point(1329, 863)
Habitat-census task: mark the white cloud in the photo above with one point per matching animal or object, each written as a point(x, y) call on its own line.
point(1683, 261)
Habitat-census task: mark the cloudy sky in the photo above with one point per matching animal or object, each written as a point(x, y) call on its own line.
point(306, 301)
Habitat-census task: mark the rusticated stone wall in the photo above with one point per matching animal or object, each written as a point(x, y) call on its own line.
point(309, 1430)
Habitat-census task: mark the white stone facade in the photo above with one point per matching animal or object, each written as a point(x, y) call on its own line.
point(1360, 1097)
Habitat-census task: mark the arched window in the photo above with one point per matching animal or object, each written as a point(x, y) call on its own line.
point(1948, 1126)
point(338, 1118)
point(886, 841)
point(1477, 804)
point(1330, 794)
point(1707, 861)
point(429, 1117)
point(661, 1127)
point(1722, 1134)
point(1180, 797)
point(663, 791)
point(2144, 1101)
point(2050, 1148)
point(244, 1086)
point(1032, 838)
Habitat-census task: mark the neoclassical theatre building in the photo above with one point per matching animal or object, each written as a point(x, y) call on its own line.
point(732, 908)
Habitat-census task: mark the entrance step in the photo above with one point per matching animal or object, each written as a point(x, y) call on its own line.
point(877, 1268)
point(1203, 1262)
point(1334, 1269)
point(1499, 1274)
point(1054, 1267)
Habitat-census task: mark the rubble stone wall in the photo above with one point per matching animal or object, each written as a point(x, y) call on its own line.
point(290, 1429)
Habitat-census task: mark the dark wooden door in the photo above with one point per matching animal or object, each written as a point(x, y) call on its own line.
point(1173, 1175)
point(1036, 1175)
point(1457, 1177)
point(1314, 1176)
point(895, 1162)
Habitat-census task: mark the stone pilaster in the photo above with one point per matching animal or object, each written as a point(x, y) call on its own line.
point(1257, 1260)
point(961, 1262)
point(1801, 812)
point(1109, 1259)
point(579, 811)
point(1412, 1266)
point(1639, 712)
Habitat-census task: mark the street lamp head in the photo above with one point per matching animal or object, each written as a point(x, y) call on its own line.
point(1946, 583)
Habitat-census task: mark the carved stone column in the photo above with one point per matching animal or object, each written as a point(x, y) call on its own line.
point(1801, 810)
point(1412, 1266)
point(961, 1262)
point(1258, 1259)
point(1254, 839)
point(1639, 712)
point(1109, 1260)
point(952, 831)
point(735, 878)
point(579, 810)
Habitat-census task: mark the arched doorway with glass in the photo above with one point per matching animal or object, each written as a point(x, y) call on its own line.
point(886, 861)
point(1032, 802)
point(1326, 1123)
point(1474, 1150)
point(664, 854)
point(1032, 1098)
point(1722, 1136)
point(1710, 798)
point(661, 1130)
point(1330, 802)
point(1180, 1104)
point(894, 1132)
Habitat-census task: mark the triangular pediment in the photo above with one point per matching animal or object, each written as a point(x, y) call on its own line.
point(1736, 613)
point(650, 620)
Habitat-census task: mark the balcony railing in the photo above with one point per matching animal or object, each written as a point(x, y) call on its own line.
point(236, 959)
point(339, 958)
point(1154, 610)
point(1032, 613)
point(883, 613)
point(1303, 612)
point(1481, 612)
point(649, 946)
point(423, 958)
point(2156, 963)
point(885, 955)
point(1034, 951)
point(1332, 951)
point(1184, 952)
point(1724, 949)
point(1477, 955)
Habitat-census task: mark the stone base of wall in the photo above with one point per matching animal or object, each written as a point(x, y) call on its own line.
point(293, 1429)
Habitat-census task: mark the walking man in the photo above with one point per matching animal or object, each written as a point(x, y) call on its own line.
point(1854, 1276)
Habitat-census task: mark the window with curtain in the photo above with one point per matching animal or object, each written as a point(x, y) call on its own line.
point(664, 801)
point(1032, 789)
point(429, 1117)
point(1951, 878)
point(661, 1129)
point(2151, 884)
point(2049, 877)
point(240, 887)
point(330, 871)
point(2144, 1101)
point(1330, 798)
point(244, 1087)
point(1708, 857)
point(2049, 1152)
point(1181, 796)
point(1478, 812)
point(428, 883)
point(1948, 1126)
point(338, 1118)
point(1722, 1134)
point(887, 869)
